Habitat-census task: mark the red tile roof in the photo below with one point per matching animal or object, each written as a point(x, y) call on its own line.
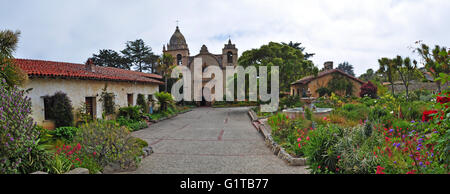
point(308, 79)
point(39, 68)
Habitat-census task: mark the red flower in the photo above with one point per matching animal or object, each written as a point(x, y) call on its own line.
point(411, 172)
point(426, 115)
point(380, 170)
point(442, 99)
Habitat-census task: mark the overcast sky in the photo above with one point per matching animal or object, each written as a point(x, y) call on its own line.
point(359, 31)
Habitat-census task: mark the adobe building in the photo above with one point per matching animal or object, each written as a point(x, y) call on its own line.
point(300, 87)
point(83, 84)
point(178, 48)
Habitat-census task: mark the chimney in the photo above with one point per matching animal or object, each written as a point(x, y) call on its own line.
point(90, 65)
point(328, 65)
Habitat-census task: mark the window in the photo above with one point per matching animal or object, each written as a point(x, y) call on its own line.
point(130, 99)
point(46, 108)
point(230, 57)
point(179, 61)
point(150, 97)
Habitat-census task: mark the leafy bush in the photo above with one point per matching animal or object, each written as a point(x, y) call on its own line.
point(323, 91)
point(111, 143)
point(60, 109)
point(65, 133)
point(368, 90)
point(290, 102)
point(355, 148)
point(107, 99)
point(142, 103)
point(353, 112)
point(320, 150)
point(70, 157)
point(164, 99)
point(132, 112)
point(379, 114)
point(141, 142)
point(19, 152)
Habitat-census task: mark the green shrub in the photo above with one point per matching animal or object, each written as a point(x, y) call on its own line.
point(308, 114)
point(132, 112)
point(290, 102)
point(141, 142)
point(111, 143)
point(142, 103)
point(164, 99)
point(107, 99)
point(320, 150)
point(356, 147)
point(379, 114)
point(60, 109)
point(19, 152)
point(353, 112)
point(323, 91)
point(132, 124)
point(65, 133)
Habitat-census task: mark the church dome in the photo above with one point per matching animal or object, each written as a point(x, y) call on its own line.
point(177, 41)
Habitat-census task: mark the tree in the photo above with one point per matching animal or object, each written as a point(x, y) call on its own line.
point(139, 55)
point(291, 62)
point(12, 74)
point(436, 61)
point(110, 58)
point(347, 68)
point(406, 70)
point(368, 89)
point(370, 75)
point(296, 45)
point(387, 68)
point(165, 66)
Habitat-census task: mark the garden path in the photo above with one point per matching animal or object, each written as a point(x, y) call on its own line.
point(209, 141)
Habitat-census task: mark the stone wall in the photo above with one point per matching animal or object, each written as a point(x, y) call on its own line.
point(78, 90)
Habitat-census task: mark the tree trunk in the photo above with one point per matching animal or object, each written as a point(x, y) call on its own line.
point(165, 85)
point(439, 86)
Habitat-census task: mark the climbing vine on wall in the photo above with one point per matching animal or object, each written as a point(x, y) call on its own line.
point(107, 99)
point(340, 84)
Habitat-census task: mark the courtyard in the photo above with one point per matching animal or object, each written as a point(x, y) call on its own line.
point(209, 141)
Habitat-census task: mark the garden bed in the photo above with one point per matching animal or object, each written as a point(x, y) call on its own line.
point(264, 129)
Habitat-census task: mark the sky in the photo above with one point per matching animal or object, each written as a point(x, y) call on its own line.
point(359, 32)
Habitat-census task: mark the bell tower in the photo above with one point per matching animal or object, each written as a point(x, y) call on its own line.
point(178, 48)
point(229, 54)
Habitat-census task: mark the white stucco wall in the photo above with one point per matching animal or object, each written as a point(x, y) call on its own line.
point(78, 90)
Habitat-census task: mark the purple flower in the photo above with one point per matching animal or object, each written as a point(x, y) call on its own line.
point(413, 121)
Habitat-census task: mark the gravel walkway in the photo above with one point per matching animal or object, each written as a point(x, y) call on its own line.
point(209, 141)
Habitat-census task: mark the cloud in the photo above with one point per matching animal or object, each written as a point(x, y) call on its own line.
point(359, 32)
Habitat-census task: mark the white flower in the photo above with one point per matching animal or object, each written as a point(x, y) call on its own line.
point(392, 112)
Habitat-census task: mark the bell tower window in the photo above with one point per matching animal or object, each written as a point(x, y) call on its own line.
point(230, 57)
point(179, 61)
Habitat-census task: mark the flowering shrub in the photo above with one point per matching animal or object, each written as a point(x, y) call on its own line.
point(18, 139)
point(111, 143)
point(69, 157)
point(320, 149)
point(368, 89)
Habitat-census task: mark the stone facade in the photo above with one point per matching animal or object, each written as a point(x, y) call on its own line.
point(313, 83)
point(78, 90)
point(179, 50)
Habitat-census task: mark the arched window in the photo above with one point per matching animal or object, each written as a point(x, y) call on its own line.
point(230, 57)
point(179, 62)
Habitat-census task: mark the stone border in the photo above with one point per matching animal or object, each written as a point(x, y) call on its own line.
point(276, 149)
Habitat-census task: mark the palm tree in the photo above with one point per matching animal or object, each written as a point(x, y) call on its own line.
point(9, 71)
point(296, 45)
point(435, 61)
point(165, 66)
point(387, 67)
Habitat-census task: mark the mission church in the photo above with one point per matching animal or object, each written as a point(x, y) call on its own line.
point(178, 48)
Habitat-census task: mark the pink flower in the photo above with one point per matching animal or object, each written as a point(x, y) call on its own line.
point(300, 146)
point(307, 138)
point(299, 139)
